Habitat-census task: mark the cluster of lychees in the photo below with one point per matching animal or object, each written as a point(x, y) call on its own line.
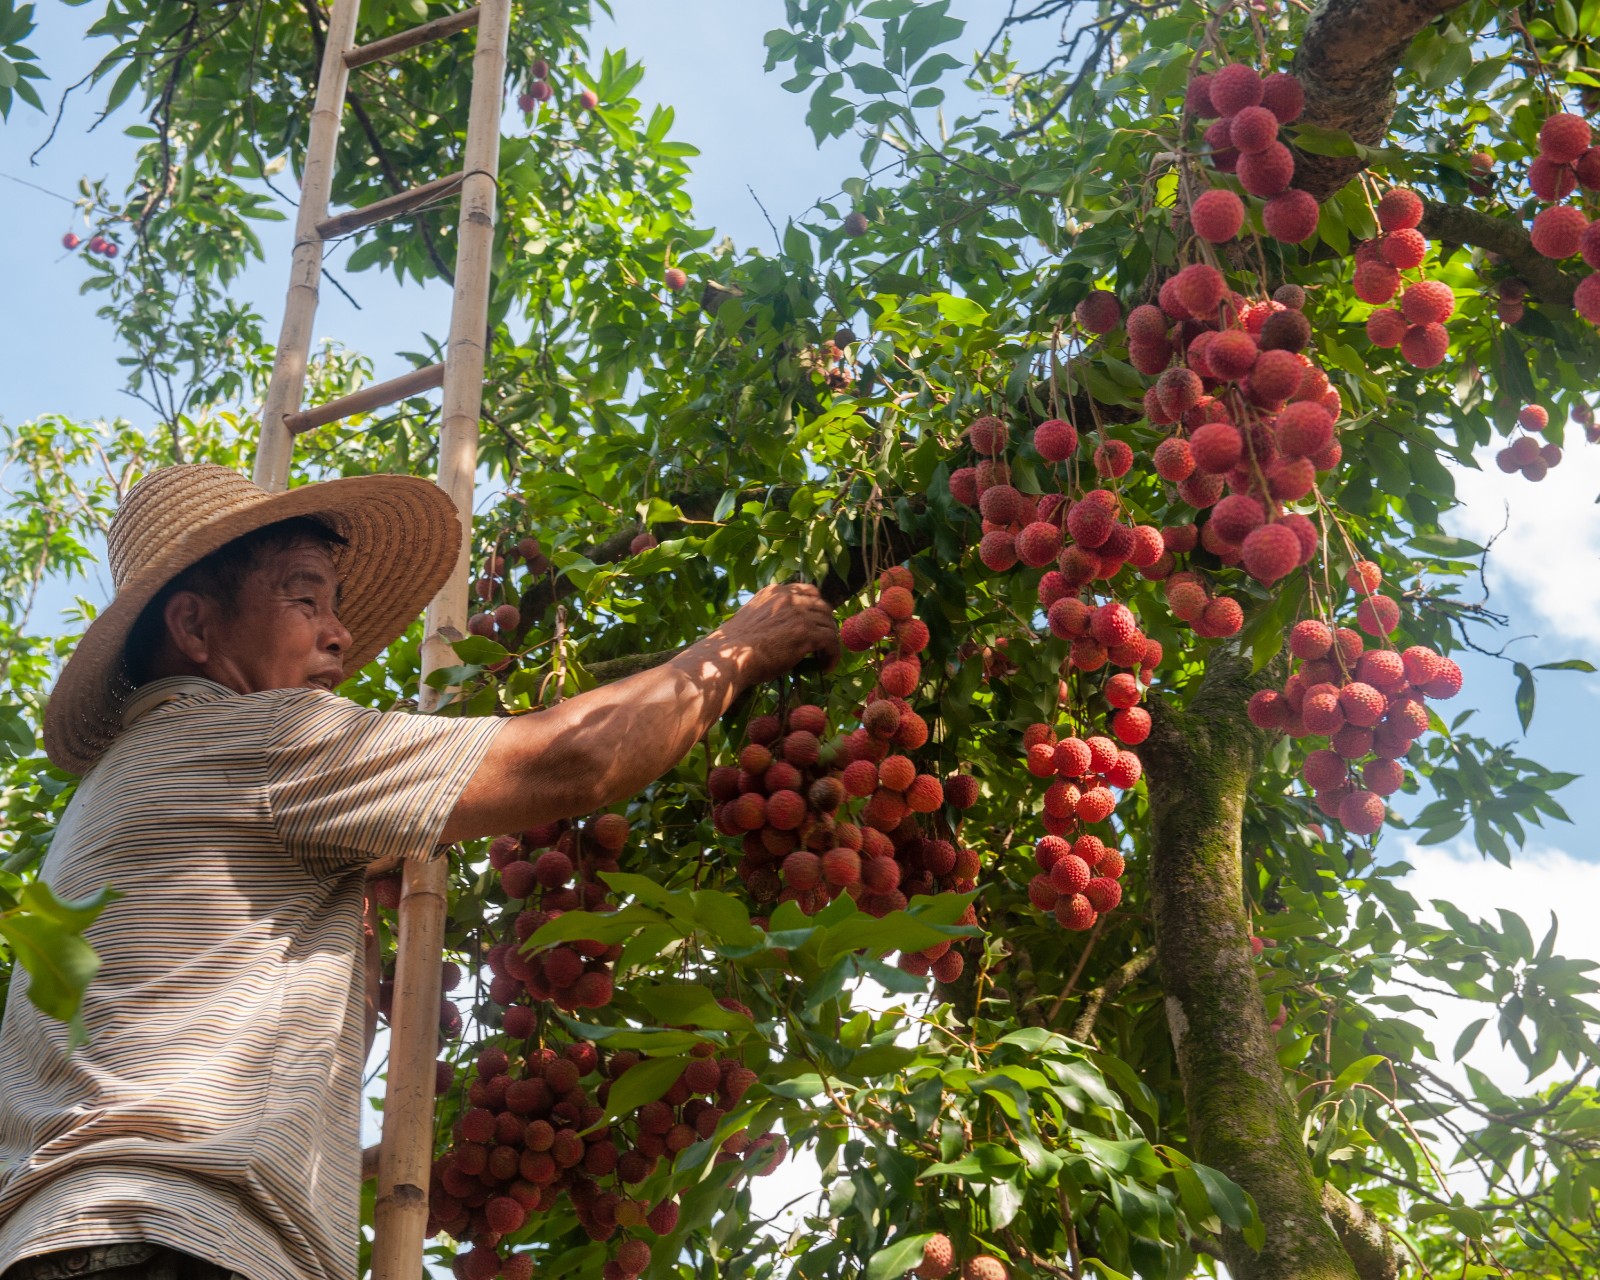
point(1084, 540)
point(551, 870)
point(97, 244)
point(1244, 142)
point(1525, 453)
point(535, 1133)
point(820, 814)
point(1416, 326)
point(1258, 421)
point(1368, 703)
point(503, 619)
point(1078, 871)
point(1584, 416)
point(939, 1261)
point(1566, 161)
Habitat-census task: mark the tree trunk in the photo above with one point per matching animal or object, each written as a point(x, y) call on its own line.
point(1199, 762)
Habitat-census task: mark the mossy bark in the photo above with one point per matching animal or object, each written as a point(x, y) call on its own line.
point(1199, 762)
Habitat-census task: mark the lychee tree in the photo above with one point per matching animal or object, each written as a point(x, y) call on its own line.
point(1117, 404)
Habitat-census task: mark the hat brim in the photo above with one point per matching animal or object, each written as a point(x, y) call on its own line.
point(403, 538)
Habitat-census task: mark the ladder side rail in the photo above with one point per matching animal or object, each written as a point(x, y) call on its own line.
point(288, 382)
point(406, 1152)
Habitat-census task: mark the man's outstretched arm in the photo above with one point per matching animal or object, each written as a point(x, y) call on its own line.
point(608, 744)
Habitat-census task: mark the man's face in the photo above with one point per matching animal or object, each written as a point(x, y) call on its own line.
point(284, 631)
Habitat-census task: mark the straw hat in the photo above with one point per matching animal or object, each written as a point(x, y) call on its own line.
point(403, 537)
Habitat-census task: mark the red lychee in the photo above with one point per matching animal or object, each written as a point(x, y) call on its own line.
point(1267, 172)
point(1428, 302)
point(1104, 893)
point(1233, 88)
point(1252, 129)
point(1399, 209)
point(1386, 327)
point(1361, 813)
point(1282, 94)
point(1200, 288)
point(1303, 429)
point(987, 436)
point(1076, 913)
point(1113, 459)
point(1426, 345)
point(1270, 553)
point(1404, 250)
point(1551, 181)
point(1563, 138)
point(1217, 214)
point(1055, 440)
point(1375, 282)
point(1377, 615)
point(1131, 725)
point(1232, 354)
point(1099, 311)
point(998, 551)
point(1216, 447)
point(1558, 232)
point(1292, 216)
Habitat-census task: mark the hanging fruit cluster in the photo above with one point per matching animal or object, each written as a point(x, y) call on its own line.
point(1078, 871)
point(1416, 326)
point(1368, 704)
point(819, 814)
point(536, 1135)
point(1525, 453)
point(551, 870)
point(1567, 160)
point(1247, 111)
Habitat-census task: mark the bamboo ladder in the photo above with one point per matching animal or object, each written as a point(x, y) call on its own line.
point(406, 1151)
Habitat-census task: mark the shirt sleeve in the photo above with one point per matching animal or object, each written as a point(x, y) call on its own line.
point(347, 785)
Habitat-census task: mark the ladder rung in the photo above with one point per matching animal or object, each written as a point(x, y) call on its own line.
point(367, 399)
point(438, 29)
point(342, 224)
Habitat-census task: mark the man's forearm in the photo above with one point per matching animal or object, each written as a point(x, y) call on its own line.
point(601, 746)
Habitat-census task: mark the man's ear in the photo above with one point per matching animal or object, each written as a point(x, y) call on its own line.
point(190, 617)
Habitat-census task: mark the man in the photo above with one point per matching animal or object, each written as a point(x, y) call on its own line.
point(210, 1125)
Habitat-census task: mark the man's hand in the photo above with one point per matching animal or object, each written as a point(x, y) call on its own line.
point(609, 743)
point(780, 627)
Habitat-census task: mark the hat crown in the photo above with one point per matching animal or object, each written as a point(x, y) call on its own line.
point(161, 508)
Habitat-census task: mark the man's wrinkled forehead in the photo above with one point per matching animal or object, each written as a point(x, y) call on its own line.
point(303, 568)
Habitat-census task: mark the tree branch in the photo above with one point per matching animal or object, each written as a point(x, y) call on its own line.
point(1370, 1248)
point(1094, 1001)
point(1457, 224)
point(1346, 64)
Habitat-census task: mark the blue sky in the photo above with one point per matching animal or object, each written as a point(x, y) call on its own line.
point(704, 57)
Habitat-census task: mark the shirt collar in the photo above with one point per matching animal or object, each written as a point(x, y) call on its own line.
point(157, 693)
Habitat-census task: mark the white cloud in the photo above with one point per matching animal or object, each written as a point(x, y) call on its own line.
point(1540, 882)
point(1543, 564)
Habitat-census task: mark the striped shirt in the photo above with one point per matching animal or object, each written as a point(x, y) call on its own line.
point(215, 1108)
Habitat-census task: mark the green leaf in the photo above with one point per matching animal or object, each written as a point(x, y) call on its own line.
point(480, 651)
point(1467, 1038)
point(59, 962)
point(1524, 694)
point(1358, 1071)
point(643, 1082)
point(1317, 141)
point(1446, 547)
point(898, 1258)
